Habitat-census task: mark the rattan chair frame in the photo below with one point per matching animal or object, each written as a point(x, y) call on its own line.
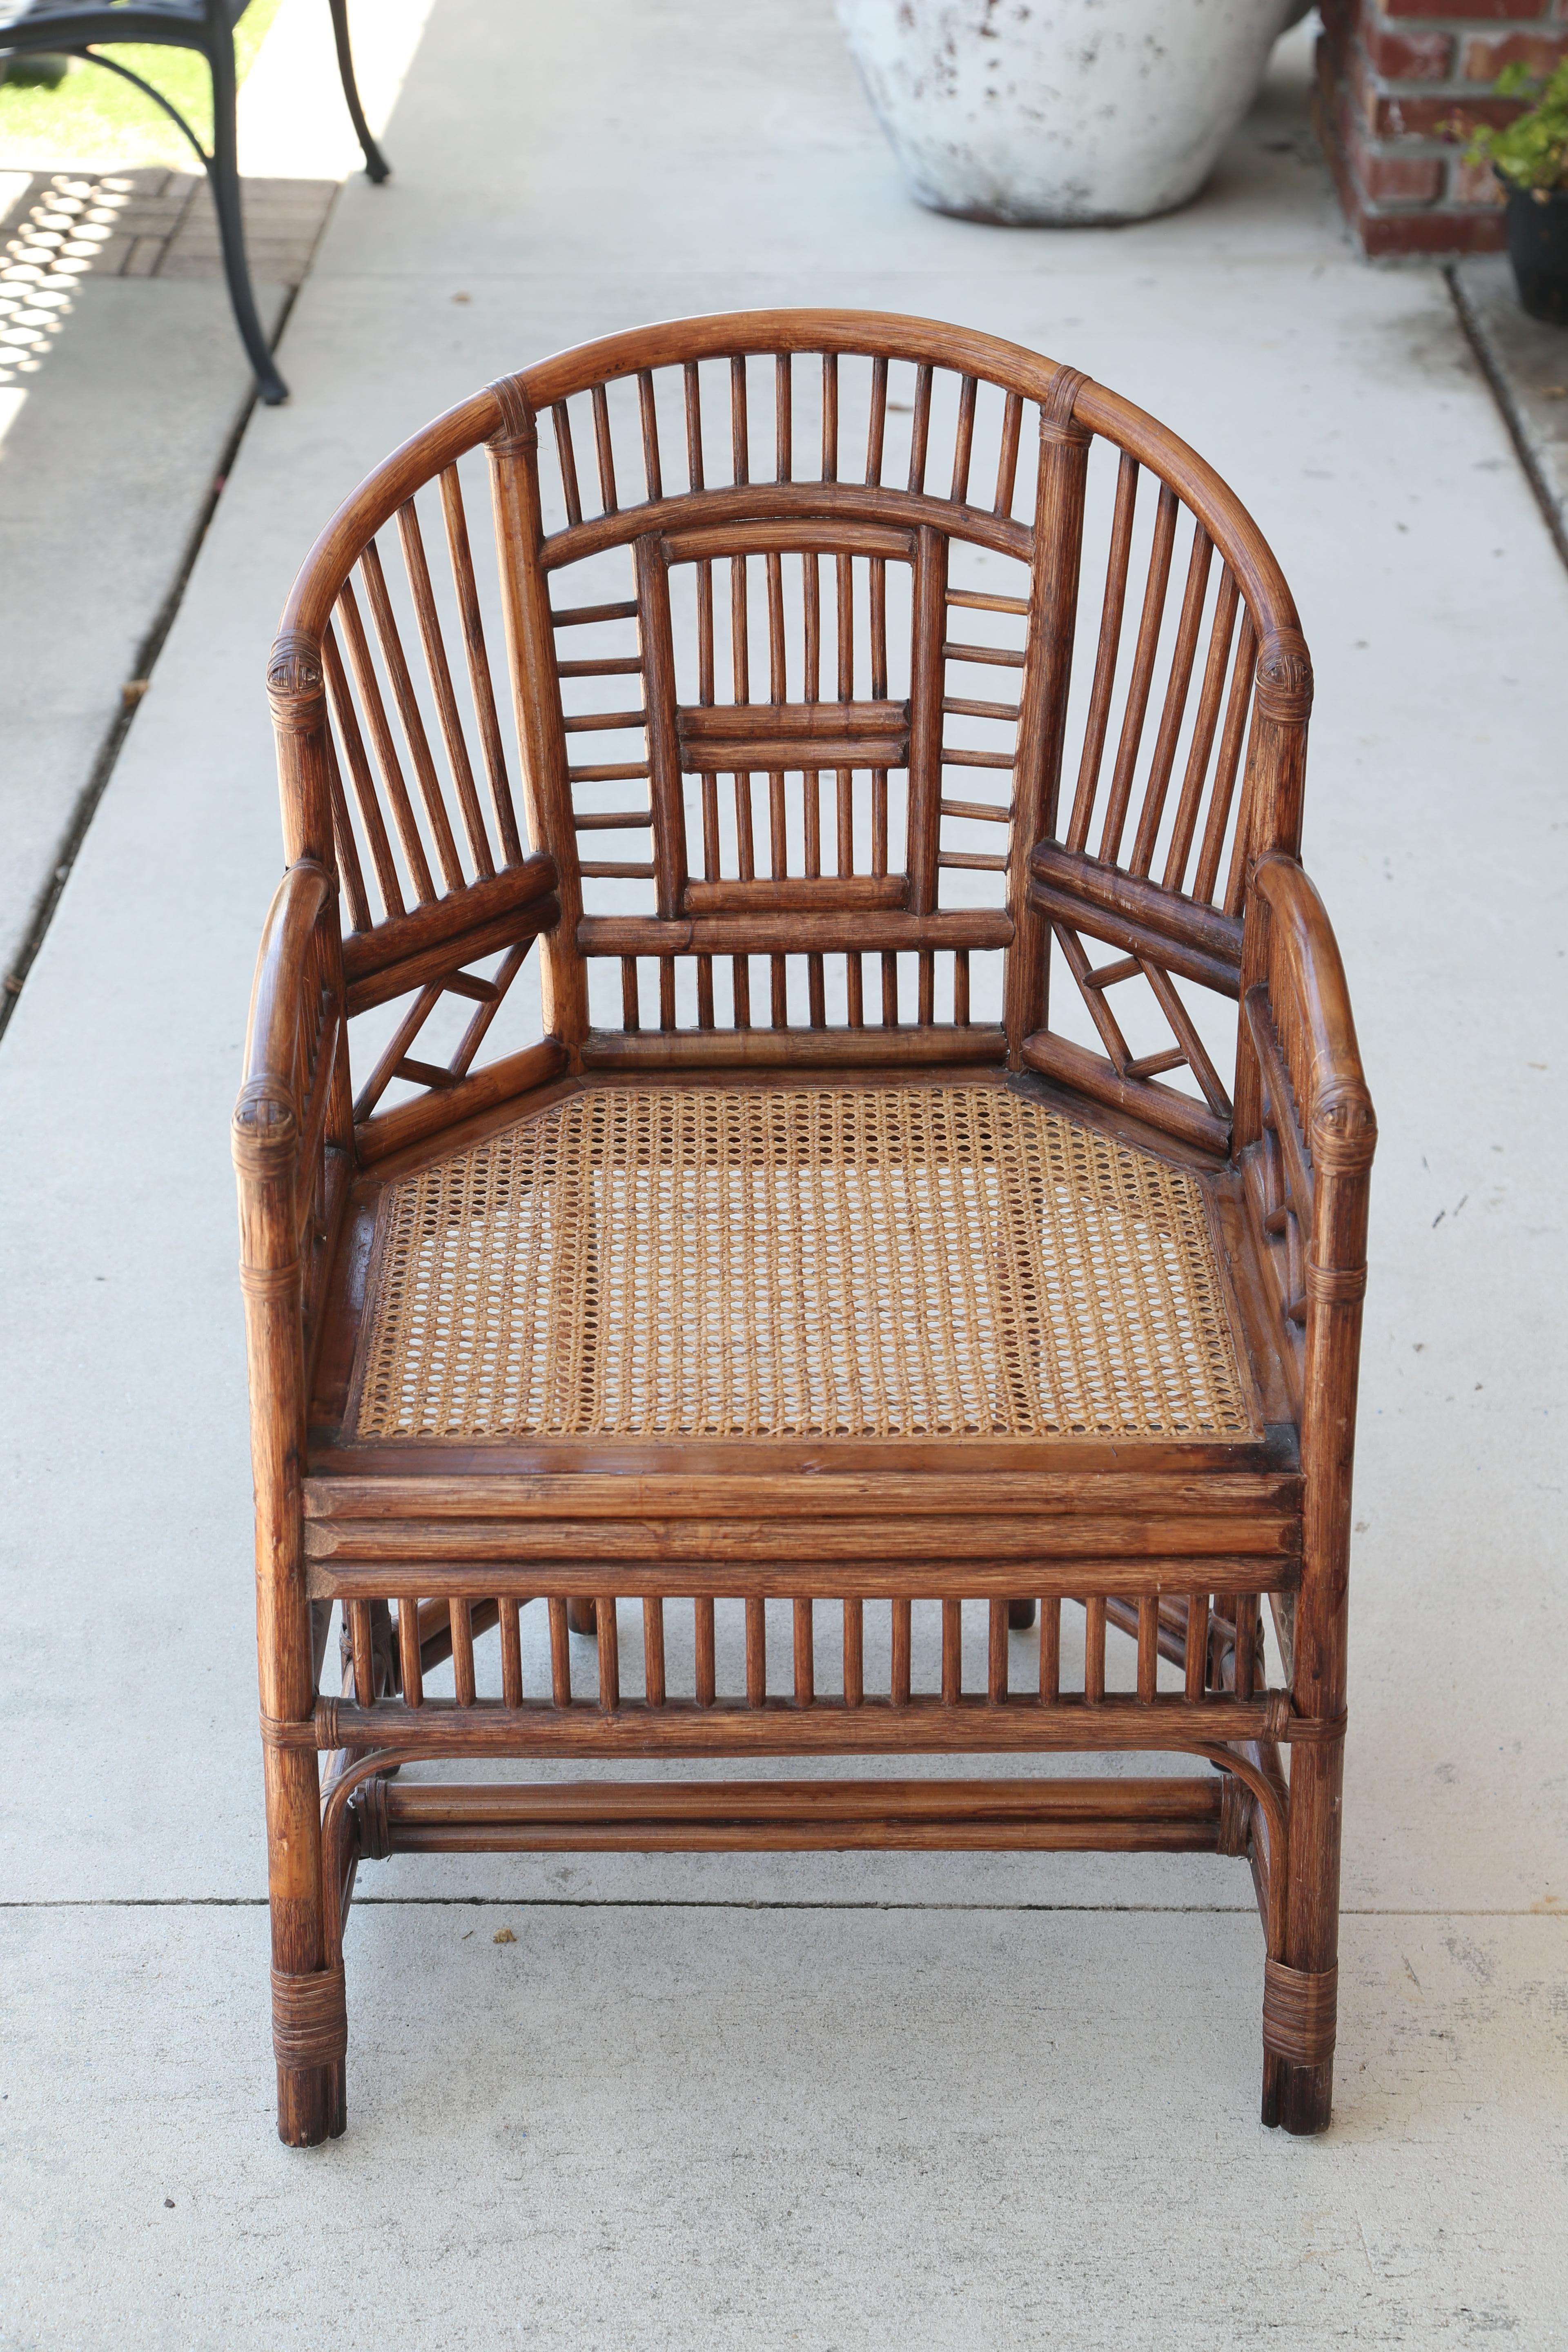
point(413, 874)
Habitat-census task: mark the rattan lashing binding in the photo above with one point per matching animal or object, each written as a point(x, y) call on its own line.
point(948, 1260)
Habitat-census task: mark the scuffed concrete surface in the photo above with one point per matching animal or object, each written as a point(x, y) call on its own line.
point(824, 2126)
point(867, 2129)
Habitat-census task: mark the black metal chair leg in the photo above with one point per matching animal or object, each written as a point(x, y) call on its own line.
point(375, 162)
point(223, 177)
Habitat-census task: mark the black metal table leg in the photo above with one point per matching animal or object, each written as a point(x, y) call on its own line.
point(223, 177)
point(375, 162)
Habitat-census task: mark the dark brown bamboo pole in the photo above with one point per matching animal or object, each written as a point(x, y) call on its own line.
point(536, 698)
point(1042, 720)
point(310, 2104)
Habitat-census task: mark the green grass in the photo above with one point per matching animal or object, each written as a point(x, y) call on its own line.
point(94, 118)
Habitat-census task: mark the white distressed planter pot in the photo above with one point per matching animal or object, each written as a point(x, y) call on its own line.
point(1060, 110)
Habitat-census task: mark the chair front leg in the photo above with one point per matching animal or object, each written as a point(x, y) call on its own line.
point(308, 2013)
point(1299, 1993)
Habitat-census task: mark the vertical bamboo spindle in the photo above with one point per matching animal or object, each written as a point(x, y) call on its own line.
point(360, 1646)
point(704, 1637)
point(609, 1652)
point(653, 1650)
point(1094, 1649)
point(951, 1652)
point(1269, 818)
point(559, 1655)
point(653, 472)
point(1148, 1645)
point(667, 791)
point(928, 671)
point(804, 1656)
point(756, 1651)
point(901, 1644)
point(1042, 718)
point(1051, 1650)
point(997, 1661)
point(510, 1655)
point(854, 1653)
point(1198, 1651)
point(536, 700)
point(1246, 1645)
point(408, 1658)
point(876, 424)
point(462, 1623)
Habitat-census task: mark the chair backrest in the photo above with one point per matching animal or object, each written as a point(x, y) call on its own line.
point(855, 660)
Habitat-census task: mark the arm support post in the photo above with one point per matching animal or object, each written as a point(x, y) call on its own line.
point(1305, 981)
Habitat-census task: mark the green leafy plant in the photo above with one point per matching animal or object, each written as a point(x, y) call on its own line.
point(1532, 150)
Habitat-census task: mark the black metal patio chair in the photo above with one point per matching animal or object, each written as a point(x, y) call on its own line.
point(75, 28)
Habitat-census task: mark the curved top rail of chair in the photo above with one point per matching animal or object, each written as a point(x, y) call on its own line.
point(735, 334)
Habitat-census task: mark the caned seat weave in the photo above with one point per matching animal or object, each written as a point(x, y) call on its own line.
point(796, 1262)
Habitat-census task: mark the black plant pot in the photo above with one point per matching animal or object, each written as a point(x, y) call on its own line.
point(1538, 249)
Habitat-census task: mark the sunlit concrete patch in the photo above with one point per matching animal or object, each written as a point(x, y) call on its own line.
point(56, 238)
point(292, 120)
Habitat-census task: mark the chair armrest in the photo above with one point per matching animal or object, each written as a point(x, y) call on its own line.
point(1309, 1117)
point(1311, 1107)
point(1306, 992)
point(297, 907)
point(294, 1070)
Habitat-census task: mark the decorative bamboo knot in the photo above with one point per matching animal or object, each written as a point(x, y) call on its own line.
point(280, 1282)
point(295, 687)
point(1304, 1730)
point(1235, 1805)
point(1336, 1286)
point(264, 1136)
point(519, 428)
point(281, 1731)
point(1285, 680)
point(1056, 419)
point(368, 1806)
point(1344, 1132)
point(309, 2018)
point(1300, 2013)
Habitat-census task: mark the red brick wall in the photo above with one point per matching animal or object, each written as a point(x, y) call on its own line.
point(1391, 75)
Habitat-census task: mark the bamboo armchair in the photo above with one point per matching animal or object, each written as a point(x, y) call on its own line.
point(821, 1267)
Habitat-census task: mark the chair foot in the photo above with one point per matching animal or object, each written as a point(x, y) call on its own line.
point(1297, 2099)
point(311, 2104)
point(1020, 1616)
point(1299, 2008)
point(310, 2044)
point(582, 1617)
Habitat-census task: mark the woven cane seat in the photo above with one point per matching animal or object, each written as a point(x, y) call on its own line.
point(796, 1260)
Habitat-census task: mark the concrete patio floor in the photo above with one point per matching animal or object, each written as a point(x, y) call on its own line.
point(879, 2101)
